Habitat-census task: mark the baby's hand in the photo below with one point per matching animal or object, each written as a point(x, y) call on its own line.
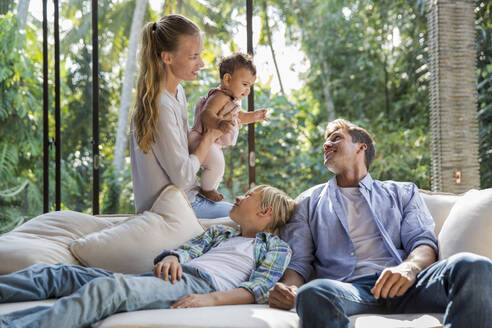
point(260, 115)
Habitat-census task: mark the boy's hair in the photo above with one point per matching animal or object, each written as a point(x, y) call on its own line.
point(281, 204)
point(358, 134)
point(234, 62)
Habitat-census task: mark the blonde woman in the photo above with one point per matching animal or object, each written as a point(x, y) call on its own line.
point(170, 53)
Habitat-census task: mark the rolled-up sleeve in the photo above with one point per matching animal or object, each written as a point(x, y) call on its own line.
point(269, 271)
point(298, 235)
point(193, 248)
point(171, 152)
point(417, 226)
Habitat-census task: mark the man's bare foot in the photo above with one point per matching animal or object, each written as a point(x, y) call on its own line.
point(212, 195)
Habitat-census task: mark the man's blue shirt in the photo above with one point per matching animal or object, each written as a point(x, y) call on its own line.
point(318, 232)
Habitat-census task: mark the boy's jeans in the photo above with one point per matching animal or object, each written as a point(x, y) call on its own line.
point(207, 209)
point(89, 294)
point(460, 287)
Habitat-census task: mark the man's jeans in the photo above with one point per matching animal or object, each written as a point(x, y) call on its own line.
point(207, 209)
point(460, 287)
point(89, 294)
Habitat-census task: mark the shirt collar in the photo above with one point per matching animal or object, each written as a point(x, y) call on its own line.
point(366, 182)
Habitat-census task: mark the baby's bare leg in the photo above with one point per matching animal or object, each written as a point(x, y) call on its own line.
point(213, 171)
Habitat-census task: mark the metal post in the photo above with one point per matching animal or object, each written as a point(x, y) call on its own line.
point(46, 153)
point(57, 112)
point(95, 110)
point(251, 99)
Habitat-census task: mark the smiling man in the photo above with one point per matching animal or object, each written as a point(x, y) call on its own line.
point(372, 247)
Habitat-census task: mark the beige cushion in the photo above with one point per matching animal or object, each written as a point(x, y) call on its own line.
point(238, 316)
point(46, 239)
point(439, 205)
point(417, 320)
point(229, 316)
point(131, 246)
point(468, 227)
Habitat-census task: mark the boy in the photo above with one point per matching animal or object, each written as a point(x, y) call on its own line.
point(198, 273)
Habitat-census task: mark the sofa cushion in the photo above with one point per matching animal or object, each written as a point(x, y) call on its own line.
point(439, 205)
point(240, 316)
point(416, 320)
point(131, 246)
point(469, 226)
point(46, 239)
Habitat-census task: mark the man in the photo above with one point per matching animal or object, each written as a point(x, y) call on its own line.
point(372, 246)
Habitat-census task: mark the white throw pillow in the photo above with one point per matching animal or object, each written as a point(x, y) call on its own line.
point(468, 227)
point(131, 246)
point(46, 239)
point(439, 205)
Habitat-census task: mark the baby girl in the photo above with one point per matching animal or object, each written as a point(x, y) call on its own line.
point(237, 75)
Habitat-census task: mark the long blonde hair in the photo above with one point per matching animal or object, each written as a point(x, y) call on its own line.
point(156, 38)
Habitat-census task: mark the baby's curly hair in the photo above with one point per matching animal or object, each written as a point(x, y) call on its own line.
point(235, 61)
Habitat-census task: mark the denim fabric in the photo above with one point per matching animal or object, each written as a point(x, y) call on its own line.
point(89, 294)
point(207, 209)
point(460, 287)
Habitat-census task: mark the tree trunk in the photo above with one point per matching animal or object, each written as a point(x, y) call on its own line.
point(330, 107)
point(126, 93)
point(269, 35)
point(22, 10)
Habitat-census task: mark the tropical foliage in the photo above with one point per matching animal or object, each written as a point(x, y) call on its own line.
point(368, 64)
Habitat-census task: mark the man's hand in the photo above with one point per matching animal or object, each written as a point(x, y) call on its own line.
point(282, 296)
point(193, 300)
point(168, 268)
point(395, 281)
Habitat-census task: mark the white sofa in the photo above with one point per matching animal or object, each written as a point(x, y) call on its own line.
point(463, 223)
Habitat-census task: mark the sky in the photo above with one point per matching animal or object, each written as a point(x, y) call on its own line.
point(291, 59)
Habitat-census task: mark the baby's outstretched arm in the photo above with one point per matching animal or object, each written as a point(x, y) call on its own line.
point(210, 116)
point(251, 117)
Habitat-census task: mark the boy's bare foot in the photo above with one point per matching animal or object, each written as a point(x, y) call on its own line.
point(212, 195)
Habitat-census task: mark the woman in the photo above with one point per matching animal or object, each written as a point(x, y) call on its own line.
point(171, 53)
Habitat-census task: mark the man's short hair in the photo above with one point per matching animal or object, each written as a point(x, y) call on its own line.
point(358, 134)
point(281, 204)
point(234, 62)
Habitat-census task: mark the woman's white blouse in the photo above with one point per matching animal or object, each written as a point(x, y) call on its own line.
point(169, 161)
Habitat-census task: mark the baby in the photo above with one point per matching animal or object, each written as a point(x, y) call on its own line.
point(237, 75)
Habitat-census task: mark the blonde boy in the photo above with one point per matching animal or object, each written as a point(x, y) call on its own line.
point(222, 266)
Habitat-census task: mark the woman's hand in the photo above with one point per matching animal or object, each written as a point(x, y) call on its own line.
point(194, 300)
point(227, 111)
point(169, 268)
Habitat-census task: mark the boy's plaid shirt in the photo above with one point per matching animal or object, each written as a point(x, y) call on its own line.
point(272, 255)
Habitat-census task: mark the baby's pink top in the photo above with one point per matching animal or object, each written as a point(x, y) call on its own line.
point(228, 139)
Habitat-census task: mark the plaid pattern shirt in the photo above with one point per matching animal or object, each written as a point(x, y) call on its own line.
point(272, 255)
